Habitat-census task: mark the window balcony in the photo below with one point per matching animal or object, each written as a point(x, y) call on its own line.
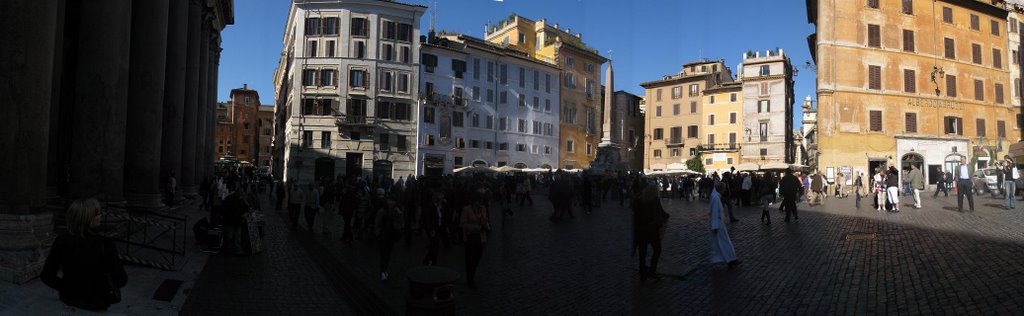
point(674, 142)
point(721, 147)
point(355, 120)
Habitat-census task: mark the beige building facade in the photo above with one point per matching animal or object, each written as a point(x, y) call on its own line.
point(901, 82)
point(723, 125)
point(674, 106)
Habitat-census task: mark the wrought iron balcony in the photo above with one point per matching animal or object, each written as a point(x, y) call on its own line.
point(346, 119)
point(721, 147)
point(674, 142)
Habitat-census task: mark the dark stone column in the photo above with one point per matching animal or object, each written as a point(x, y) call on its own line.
point(56, 171)
point(101, 96)
point(27, 54)
point(211, 119)
point(146, 96)
point(174, 91)
point(186, 180)
point(203, 102)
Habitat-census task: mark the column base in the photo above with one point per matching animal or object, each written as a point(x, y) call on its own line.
point(25, 242)
point(145, 200)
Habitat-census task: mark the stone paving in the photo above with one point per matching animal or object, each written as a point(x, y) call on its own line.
point(836, 259)
point(282, 280)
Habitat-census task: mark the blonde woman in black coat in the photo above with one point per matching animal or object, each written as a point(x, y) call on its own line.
point(92, 273)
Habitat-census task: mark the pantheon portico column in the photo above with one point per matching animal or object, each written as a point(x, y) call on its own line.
point(145, 99)
point(27, 54)
point(100, 101)
point(186, 180)
point(203, 101)
point(174, 90)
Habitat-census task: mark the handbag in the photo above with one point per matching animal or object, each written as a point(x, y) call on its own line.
point(112, 294)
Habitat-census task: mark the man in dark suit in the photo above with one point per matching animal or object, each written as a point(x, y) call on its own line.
point(941, 185)
point(964, 185)
point(790, 188)
point(434, 219)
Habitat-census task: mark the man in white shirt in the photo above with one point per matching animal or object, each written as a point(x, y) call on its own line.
point(964, 185)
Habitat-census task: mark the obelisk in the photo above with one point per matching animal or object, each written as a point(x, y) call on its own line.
point(609, 88)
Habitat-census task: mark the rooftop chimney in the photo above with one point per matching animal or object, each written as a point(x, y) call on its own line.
point(245, 86)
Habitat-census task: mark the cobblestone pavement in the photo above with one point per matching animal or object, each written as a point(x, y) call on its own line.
point(283, 280)
point(836, 259)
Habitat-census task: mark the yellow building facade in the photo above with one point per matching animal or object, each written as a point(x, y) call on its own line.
point(674, 118)
point(580, 80)
point(722, 125)
point(901, 82)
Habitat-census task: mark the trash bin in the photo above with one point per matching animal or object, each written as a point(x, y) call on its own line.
point(431, 291)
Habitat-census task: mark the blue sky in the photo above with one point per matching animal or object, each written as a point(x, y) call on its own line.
point(648, 38)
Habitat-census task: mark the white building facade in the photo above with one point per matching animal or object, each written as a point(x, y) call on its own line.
point(767, 107)
point(484, 105)
point(346, 85)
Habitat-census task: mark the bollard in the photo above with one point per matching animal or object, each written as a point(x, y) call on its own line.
point(431, 291)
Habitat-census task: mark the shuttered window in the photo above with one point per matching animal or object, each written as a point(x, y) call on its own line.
point(976, 53)
point(874, 36)
point(980, 123)
point(951, 86)
point(909, 81)
point(910, 121)
point(873, 4)
point(950, 48)
point(997, 58)
point(876, 121)
point(975, 23)
point(875, 77)
point(979, 90)
point(908, 6)
point(999, 93)
point(947, 15)
point(995, 27)
point(908, 40)
point(1001, 128)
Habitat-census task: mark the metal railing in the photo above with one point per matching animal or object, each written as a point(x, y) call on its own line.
point(721, 146)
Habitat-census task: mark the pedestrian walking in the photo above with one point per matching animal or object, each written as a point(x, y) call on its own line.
point(475, 227)
point(523, 189)
point(941, 184)
point(858, 184)
point(649, 229)
point(296, 200)
point(388, 224)
point(434, 220)
point(727, 196)
point(817, 187)
point(91, 274)
point(722, 250)
point(281, 195)
point(964, 185)
point(840, 185)
point(916, 183)
point(312, 205)
point(1010, 176)
point(892, 184)
point(879, 189)
point(790, 189)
